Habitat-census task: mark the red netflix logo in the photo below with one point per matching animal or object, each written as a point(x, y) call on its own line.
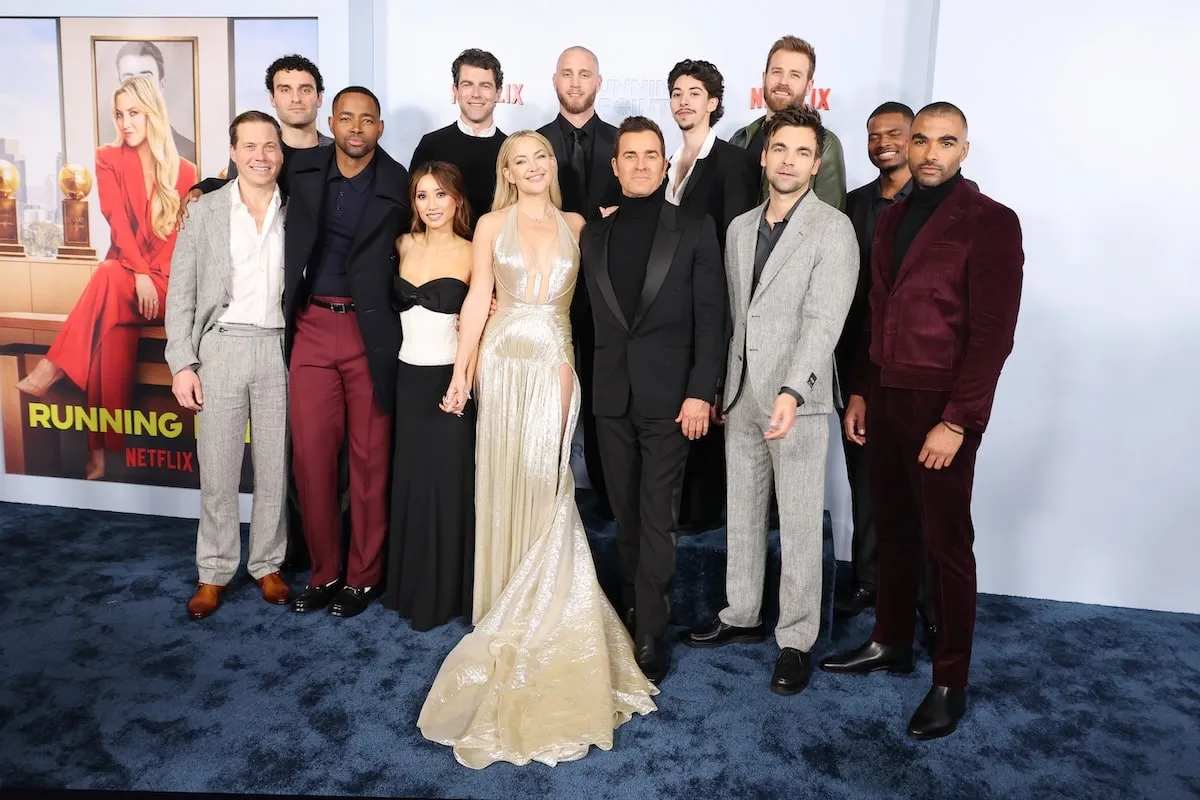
point(818, 98)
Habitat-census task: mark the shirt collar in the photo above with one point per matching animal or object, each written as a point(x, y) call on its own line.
point(469, 131)
point(877, 190)
point(588, 127)
point(762, 223)
point(236, 200)
point(360, 182)
point(705, 148)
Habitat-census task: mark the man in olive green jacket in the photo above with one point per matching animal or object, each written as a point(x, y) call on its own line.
point(788, 81)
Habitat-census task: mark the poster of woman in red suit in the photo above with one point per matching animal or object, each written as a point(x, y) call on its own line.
point(139, 178)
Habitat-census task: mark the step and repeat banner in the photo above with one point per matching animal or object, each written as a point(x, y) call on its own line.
point(71, 191)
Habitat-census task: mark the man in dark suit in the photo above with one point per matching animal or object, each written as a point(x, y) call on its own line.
point(947, 267)
point(706, 176)
point(659, 315)
point(583, 146)
point(348, 205)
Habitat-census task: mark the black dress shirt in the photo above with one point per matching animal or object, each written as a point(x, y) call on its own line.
point(345, 202)
point(575, 195)
point(768, 237)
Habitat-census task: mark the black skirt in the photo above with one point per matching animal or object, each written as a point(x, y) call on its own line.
point(431, 544)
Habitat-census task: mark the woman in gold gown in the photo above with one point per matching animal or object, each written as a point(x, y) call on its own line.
point(549, 669)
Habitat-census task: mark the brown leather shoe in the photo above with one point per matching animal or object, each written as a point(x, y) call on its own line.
point(205, 601)
point(274, 590)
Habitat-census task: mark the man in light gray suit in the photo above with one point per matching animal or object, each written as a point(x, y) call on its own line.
point(791, 265)
point(224, 324)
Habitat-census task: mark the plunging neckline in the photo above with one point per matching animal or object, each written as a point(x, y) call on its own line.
point(545, 271)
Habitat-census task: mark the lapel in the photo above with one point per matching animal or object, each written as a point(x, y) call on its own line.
point(746, 244)
point(135, 192)
point(308, 181)
point(662, 255)
point(950, 211)
point(789, 240)
point(602, 171)
point(220, 242)
point(603, 277)
point(389, 191)
point(699, 168)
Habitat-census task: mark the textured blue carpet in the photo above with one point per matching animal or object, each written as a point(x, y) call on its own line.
point(105, 685)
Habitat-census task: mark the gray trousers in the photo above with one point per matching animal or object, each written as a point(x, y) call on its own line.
point(796, 465)
point(243, 378)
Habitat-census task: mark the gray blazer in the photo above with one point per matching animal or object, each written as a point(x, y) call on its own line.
point(785, 334)
point(201, 276)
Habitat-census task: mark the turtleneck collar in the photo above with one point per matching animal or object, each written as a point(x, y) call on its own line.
point(643, 206)
point(935, 195)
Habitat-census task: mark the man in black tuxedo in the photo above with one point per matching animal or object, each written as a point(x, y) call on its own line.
point(659, 315)
point(348, 205)
point(583, 146)
point(709, 176)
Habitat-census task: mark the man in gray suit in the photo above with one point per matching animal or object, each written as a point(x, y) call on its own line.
point(791, 265)
point(224, 324)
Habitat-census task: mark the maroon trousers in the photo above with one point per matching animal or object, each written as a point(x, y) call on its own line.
point(331, 394)
point(910, 498)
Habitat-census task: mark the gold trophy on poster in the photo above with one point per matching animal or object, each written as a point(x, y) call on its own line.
point(10, 181)
point(75, 182)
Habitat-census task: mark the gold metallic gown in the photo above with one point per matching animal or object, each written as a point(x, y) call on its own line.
point(549, 669)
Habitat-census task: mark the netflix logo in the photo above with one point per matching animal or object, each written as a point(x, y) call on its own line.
point(817, 99)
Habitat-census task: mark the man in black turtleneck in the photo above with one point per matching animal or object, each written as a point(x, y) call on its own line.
point(658, 304)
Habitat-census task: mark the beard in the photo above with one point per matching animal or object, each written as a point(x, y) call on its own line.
point(578, 106)
point(791, 101)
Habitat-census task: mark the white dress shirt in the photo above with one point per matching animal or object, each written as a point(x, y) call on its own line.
point(257, 259)
point(673, 197)
point(469, 131)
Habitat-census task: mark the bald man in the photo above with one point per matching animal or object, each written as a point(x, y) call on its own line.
point(583, 145)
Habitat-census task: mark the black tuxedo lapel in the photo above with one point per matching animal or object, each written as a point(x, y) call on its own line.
point(662, 254)
point(308, 182)
point(603, 278)
point(388, 194)
point(699, 168)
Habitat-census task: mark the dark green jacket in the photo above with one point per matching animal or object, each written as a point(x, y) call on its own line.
point(830, 180)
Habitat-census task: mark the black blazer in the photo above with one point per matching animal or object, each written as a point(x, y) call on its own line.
point(674, 347)
point(604, 190)
point(372, 257)
point(721, 186)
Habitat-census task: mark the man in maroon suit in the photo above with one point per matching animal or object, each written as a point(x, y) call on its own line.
point(946, 271)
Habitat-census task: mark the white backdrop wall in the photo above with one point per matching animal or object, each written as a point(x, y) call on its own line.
point(1086, 485)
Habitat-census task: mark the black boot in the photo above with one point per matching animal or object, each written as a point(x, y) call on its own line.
point(939, 713)
point(652, 658)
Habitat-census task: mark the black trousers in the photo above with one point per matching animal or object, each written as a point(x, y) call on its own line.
point(644, 461)
point(703, 505)
point(585, 350)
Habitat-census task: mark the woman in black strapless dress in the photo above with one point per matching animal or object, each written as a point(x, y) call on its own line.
point(431, 542)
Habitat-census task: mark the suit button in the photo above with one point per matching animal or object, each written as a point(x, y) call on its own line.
point(225, 305)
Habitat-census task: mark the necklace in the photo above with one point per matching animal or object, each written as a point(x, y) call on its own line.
point(549, 214)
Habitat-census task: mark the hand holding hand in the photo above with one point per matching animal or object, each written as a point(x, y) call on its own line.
point(457, 395)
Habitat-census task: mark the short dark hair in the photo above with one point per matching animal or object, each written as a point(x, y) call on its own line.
point(892, 107)
point(143, 49)
point(480, 59)
point(451, 180)
point(252, 116)
point(293, 63)
point(638, 124)
point(794, 44)
point(795, 117)
point(943, 109)
point(707, 73)
point(358, 90)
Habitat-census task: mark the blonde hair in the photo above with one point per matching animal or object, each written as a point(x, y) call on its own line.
point(164, 198)
point(506, 193)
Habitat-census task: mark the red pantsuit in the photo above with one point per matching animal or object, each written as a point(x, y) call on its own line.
point(97, 345)
point(331, 395)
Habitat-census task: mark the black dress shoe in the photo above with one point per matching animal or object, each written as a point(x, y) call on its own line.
point(853, 603)
point(870, 657)
point(939, 713)
point(352, 600)
point(793, 669)
point(717, 633)
point(314, 598)
point(652, 658)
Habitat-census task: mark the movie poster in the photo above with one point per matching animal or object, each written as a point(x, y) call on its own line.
point(114, 119)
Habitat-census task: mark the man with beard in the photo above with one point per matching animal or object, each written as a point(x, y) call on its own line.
point(707, 177)
point(787, 83)
point(472, 142)
point(349, 204)
point(947, 263)
point(583, 146)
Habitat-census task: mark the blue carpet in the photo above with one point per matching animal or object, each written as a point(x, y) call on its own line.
point(106, 685)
